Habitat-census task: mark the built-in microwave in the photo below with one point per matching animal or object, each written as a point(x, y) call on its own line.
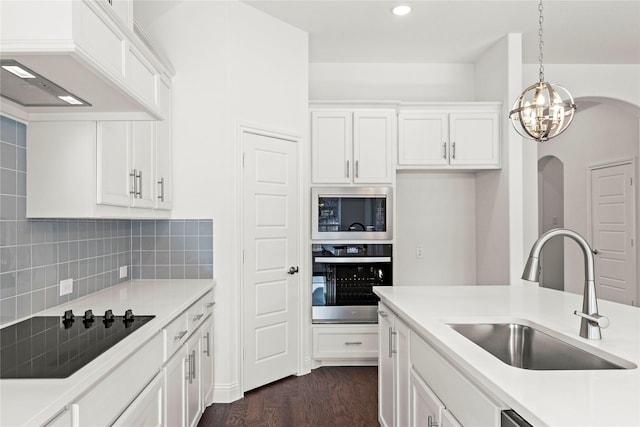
point(351, 213)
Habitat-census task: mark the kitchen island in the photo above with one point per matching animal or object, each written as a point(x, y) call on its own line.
point(64, 401)
point(541, 397)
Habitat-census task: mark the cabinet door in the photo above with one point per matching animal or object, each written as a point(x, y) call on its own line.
point(475, 139)
point(425, 407)
point(402, 367)
point(147, 409)
point(163, 180)
point(142, 153)
point(385, 368)
point(193, 377)
point(331, 144)
point(448, 420)
point(373, 147)
point(423, 139)
point(175, 377)
point(207, 363)
point(113, 160)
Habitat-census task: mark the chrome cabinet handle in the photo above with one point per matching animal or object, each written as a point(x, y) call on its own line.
point(198, 317)
point(430, 422)
point(211, 304)
point(444, 150)
point(357, 169)
point(187, 368)
point(161, 184)
point(453, 152)
point(353, 342)
point(180, 335)
point(347, 169)
point(193, 366)
point(207, 350)
point(393, 348)
point(140, 185)
point(382, 313)
point(134, 174)
point(390, 342)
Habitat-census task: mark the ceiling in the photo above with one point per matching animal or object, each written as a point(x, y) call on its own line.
point(458, 31)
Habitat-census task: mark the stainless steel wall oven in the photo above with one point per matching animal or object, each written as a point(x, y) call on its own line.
point(343, 277)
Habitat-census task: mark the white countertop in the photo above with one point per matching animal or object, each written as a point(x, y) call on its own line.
point(25, 402)
point(544, 398)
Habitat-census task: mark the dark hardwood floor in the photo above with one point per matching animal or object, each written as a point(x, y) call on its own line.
point(327, 397)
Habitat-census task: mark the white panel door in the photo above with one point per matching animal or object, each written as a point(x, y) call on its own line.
point(373, 147)
point(270, 236)
point(613, 231)
point(423, 139)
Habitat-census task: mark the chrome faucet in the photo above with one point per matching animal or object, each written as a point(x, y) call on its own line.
point(591, 322)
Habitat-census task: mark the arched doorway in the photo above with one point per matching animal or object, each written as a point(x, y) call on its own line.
point(551, 215)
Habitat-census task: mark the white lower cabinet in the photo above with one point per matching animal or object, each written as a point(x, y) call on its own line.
point(339, 344)
point(148, 409)
point(206, 367)
point(189, 372)
point(393, 367)
point(420, 387)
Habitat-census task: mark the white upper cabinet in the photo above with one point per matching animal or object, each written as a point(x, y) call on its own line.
point(352, 146)
point(89, 48)
point(463, 136)
point(88, 169)
point(163, 176)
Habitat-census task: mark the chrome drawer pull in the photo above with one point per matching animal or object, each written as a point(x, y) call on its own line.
point(353, 342)
point(180, 335)
point(197, 317)
point(211, 304)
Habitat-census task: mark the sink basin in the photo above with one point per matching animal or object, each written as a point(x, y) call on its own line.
point(528, 347)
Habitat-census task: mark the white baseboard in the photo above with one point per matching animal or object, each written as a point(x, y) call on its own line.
point(226, 393)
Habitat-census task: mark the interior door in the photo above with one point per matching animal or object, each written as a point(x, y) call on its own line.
point(613, 231)
point(270, 253)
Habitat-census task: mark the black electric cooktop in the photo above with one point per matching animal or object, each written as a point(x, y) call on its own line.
point(56, 347)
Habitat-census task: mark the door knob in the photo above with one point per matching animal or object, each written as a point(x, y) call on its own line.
point(292, 270)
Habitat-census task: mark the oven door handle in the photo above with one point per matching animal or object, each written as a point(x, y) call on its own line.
point(351, 260)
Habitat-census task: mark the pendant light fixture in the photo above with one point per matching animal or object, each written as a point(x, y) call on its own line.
point(544, 110)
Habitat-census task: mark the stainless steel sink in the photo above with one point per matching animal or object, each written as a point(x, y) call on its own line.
point(528, 347)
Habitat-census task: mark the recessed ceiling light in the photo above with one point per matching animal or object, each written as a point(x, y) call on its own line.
point(401, 10)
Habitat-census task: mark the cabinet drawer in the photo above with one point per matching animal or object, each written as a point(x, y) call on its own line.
point(196, 314)
point(345, 343)
point(175, 334)
point(104, 402)
point(470, 406)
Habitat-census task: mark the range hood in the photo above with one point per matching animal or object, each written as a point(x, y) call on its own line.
point(27, 88)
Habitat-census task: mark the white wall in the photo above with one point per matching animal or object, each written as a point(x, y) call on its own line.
point(437, 213)
point(381, 81)
point(616, 81)
point(233, 64)
point(598, 134)
point(499, 194)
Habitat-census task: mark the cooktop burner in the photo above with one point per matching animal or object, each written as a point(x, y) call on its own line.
point(56, 347)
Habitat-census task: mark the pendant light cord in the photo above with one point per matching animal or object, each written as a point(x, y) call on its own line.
point(541, 44)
